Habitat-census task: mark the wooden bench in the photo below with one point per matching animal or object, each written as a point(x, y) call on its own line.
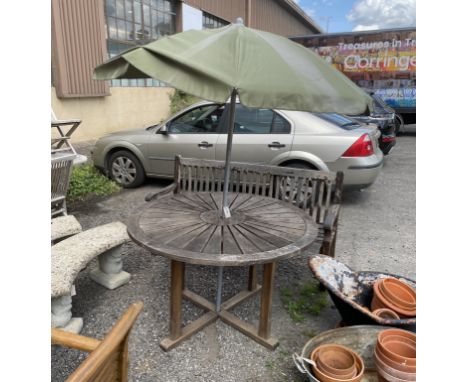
point(317, 192)
point(63, 227)
point(72, 255)
point(108, 359)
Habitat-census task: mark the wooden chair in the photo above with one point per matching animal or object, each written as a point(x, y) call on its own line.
point(62, 156)
point(60, 179)
point(317, 192)
point(108, 359)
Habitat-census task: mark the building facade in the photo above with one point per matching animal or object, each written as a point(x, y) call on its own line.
point(85, 33)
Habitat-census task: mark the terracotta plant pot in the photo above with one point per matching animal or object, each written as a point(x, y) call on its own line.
point(386, 313)
point(336, 361)
point(398, 345)
point(394, 349)
point(387, 371)
point(395, 365)
point(324, 376)
point(399, 293)
point(380, 301)
point(399, 339)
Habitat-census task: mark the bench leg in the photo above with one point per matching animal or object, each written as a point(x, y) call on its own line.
point(109, 273)
point(61, 316)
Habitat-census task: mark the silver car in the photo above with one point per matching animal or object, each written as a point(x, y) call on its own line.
point(323, 141)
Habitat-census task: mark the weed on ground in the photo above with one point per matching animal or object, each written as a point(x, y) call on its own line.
point(302, 299)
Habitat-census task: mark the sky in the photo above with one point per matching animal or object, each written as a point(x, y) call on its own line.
point(356, 15)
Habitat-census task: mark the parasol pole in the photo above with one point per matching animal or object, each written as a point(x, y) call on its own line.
point(225, 212)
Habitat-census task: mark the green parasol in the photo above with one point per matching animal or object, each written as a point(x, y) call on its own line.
point(263, 69)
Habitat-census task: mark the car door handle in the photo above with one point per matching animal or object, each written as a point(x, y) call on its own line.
point(205, 145)
point(276, 145)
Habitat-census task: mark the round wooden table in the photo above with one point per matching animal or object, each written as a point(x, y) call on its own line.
point(187, 228)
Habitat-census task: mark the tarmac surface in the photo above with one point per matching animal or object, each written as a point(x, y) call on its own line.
point(377, 231)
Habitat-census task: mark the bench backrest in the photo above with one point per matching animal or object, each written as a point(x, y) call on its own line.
point(108, 359)
point(60, 179)
point(314, 191)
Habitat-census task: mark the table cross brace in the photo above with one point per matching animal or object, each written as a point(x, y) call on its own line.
point(178, 292)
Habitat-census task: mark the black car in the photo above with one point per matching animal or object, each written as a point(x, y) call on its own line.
point(387, 121)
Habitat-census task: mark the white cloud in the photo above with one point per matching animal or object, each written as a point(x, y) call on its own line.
point(382, 14)
point(360, 27)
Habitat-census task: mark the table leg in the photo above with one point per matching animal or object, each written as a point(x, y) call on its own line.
point(252, 278)
point(266, 301)
point(177, 333)
point(219, 289)
point(261, 334)
point(177, 283)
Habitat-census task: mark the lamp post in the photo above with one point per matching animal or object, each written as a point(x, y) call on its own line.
point(327, 19)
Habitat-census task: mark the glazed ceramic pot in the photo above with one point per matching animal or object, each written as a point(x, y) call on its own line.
point(325, 376)
point(380, 301)
point(386, 313)
point(399, 293)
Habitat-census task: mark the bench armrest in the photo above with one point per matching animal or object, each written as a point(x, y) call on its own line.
point(73, 341)
point(331, 217)
point(158, 194)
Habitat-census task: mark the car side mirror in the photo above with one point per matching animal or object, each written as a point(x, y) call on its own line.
point(164, 129)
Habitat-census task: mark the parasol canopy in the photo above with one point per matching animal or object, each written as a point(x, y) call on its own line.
point(267, 70)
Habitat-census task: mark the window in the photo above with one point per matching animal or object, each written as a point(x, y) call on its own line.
point(280, 125)
point(259, 121)
point(210, 21)
point(339, 120)
point(201, 120)
point(136, 22)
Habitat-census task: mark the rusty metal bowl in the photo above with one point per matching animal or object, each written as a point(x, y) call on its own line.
point(360, 338)
point(352, 292)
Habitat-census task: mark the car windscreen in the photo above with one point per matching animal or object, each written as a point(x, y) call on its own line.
point(339, 120)
point(380, 106)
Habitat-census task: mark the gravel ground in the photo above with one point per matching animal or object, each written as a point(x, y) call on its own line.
point(377, 232)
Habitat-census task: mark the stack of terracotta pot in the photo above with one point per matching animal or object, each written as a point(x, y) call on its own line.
point(336, 363)
point(395, 356)
point(394, 295)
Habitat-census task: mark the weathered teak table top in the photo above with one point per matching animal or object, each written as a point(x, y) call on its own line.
point(186, 228)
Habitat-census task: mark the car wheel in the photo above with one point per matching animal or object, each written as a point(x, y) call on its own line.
point(399, 123)
point(302, 165)
point(125, 169)
point(286, 190)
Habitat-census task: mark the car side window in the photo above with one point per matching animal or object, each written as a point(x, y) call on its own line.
point(201, 120)
point(280, 125)
point(259, 121)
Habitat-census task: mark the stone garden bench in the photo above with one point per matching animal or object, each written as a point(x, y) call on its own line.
point(72, 255)
point(63, 227)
